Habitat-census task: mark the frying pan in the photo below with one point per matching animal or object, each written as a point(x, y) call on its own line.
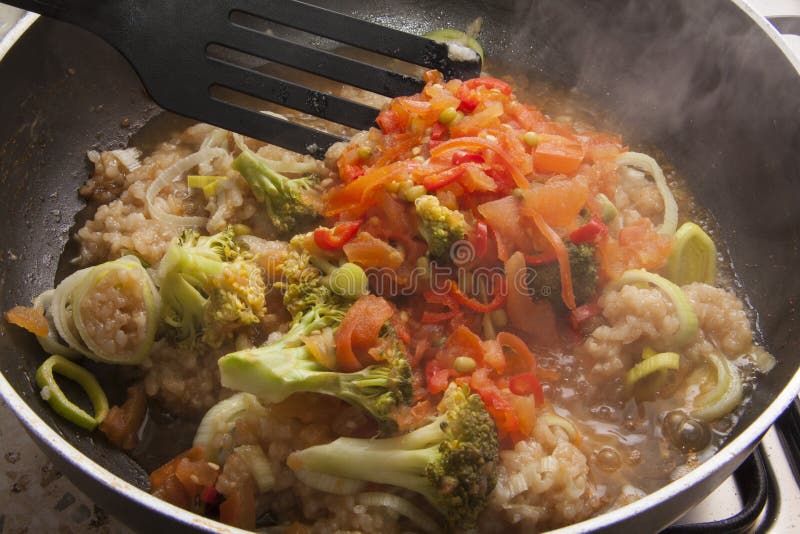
point(708, 83)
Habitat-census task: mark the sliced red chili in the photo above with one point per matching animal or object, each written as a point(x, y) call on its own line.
point(479, 237)
point(541, 258)
point(390, 121)
point(465, 156)
point(589, 232)
point(527, 384)
point(498, 299)
point(445, 299)
point(436, 181)
point(334, 238)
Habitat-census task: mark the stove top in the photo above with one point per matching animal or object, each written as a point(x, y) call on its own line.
point(763, 495)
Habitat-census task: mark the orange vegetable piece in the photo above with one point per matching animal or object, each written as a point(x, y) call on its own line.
point(558, 201)
point(122, 423)
point(567, 292)
point(239, 507)
point(30, 318)
point(369, 251)
point(535, 318)
point(359, 330)
point(558, 155)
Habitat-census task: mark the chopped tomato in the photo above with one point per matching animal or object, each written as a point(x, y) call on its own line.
point(239, 507)
point(487, 82)
point(121, 425)
point(558, 201)
point(558, 155)
point(352, 172)
point(479, 237)
point(360, 329)
point(437, 377)
point(527, 384)
point(503, 217)
point(391, 122)
point(536, 318)
point(357, 196)
point(581, 314)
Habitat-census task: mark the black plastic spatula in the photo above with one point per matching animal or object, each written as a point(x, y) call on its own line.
point(168, 43)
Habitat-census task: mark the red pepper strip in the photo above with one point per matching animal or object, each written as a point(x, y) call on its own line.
point(541, 258)
point(480, 143)
point(464, 156)
point(497, 301)
point(527, 384)
point(210, 495)
point(352, 172)
point(444, 299)
point(432, 182)
point(334, 238)
point(567, 292)
point(583, 313)
point(589, 232)
point(489, 83)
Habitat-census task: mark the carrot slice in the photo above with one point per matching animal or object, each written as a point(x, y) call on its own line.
point(567, 293)
point(359, 330)
point(31, 319)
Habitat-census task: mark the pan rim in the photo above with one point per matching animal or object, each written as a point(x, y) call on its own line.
point(735, 449)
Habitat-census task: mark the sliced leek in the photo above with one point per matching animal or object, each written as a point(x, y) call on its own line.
point(52, 342)
point(688, 324)
point(258, 465)
point(565, 424)
point(652, 364)
point(726, 395)
point(51, 392)
point(221, 419)
point(693, 258)
point(457, 37)
point(402, 507)
point(124, 287)
point(610, 211)
point(647, 164)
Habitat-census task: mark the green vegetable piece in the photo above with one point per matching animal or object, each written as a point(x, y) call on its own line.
point(545, 280)
point(209, 288)
point(610, 211)
point(652, 364)
point(694, 256)
point(348, 280)
point(452, 461)
point(683, 308)
point(440, 226)
point(51, 392)
point(448, 115)
point(726, 395)
point(531, 139)
point(291, 203)
point(277, 370)
point(448, 35)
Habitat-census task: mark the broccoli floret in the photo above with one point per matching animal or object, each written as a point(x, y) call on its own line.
point(277, 370)
point(452, 461)
point(545, 280)
point(209, 289)
point(440, 226)
point(309, 279)
point(291, 203)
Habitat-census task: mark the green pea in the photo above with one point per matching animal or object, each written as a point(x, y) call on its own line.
point(448, 115)
point(464, 364)
point(531, 138)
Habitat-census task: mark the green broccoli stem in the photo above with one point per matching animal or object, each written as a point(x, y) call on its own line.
point(182, 306)
point(258, 174)
point(371, 461)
